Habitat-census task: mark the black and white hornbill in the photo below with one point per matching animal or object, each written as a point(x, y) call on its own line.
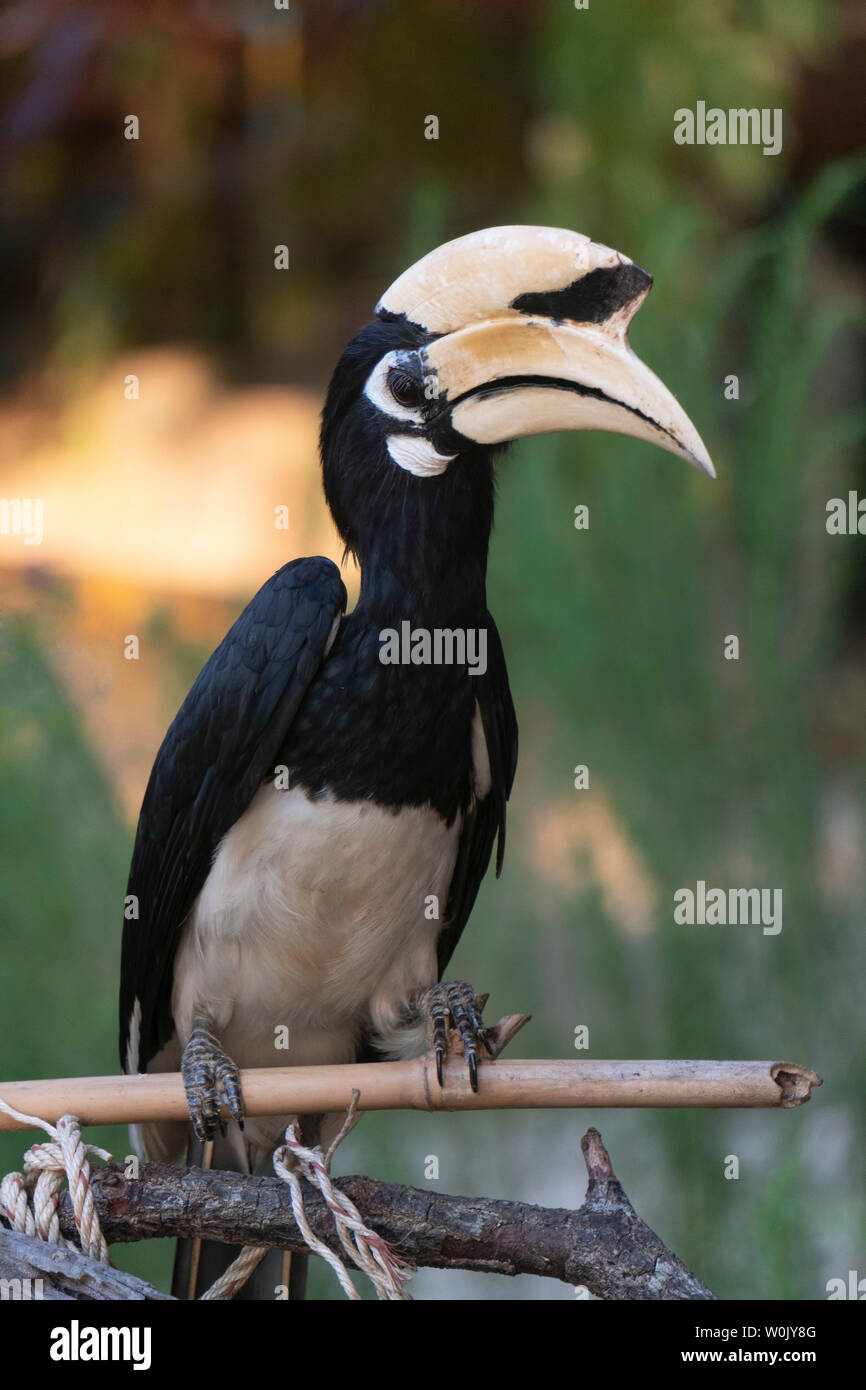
point(300, 899)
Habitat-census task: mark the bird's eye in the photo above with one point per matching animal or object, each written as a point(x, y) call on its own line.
point(404, 388)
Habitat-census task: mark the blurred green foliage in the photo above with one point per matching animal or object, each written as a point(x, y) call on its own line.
point(64, 856)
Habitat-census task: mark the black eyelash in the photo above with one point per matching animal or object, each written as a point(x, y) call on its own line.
point(403, 387)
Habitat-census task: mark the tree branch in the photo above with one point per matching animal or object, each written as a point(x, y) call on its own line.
point(33, 1270)
point(603, 1246)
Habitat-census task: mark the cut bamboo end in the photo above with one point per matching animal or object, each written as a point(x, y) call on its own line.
point(412, 1085)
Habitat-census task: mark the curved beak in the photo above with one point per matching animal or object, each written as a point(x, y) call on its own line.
point(528, 333)
point(505, 378)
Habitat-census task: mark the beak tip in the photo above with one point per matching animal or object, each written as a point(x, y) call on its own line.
point(693, 449)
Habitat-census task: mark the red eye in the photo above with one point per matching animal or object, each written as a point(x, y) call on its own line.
point(403, 387)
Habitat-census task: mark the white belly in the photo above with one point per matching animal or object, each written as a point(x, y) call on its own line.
point(319, 919)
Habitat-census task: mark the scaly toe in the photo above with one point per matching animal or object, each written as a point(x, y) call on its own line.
point(455, 1002)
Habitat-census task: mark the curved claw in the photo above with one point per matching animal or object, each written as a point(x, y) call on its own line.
point(473, 1071)
point(211, 1079)
point(457, 1003)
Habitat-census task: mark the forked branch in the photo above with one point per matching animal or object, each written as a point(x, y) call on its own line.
point(603, 1246)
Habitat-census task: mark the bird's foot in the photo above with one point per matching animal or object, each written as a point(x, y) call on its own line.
point(211, 1080)
point(456, 1003)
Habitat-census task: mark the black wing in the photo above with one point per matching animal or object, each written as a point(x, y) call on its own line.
point(486, 818)
point(220, 748)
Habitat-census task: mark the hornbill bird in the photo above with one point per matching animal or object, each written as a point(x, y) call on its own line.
point(311, 799)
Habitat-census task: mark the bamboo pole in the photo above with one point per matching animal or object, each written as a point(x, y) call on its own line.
point(412, 1085)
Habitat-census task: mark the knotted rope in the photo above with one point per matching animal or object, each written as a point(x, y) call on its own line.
point(29, 1199)
point(388, 1272)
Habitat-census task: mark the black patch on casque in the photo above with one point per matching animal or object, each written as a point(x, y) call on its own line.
point(411, 328)
point(591, 299)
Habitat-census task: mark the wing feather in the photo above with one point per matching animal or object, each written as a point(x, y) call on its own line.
point(485, 819)
point(219, 749)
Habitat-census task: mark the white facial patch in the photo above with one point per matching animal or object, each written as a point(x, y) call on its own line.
point(376, 390)
point(411, 451)
point(417, 455)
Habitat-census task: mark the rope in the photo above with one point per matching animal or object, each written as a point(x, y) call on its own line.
point(237, 1273)
point(29, 1199)
point(388, 1272)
